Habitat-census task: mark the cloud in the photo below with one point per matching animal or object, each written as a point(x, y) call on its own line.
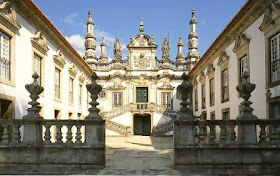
point(203, 21)
point(71, 18)
point(77, 41)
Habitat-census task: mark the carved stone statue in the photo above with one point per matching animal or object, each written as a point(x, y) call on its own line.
point(165, 48)
point(153, 40)
point(132, 40)
point(117, 48)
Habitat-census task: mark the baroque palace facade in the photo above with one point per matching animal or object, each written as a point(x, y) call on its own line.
point(139, 95)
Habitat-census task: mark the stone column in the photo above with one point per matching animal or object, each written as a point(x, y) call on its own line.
point(95, 129)
point(32, 132)
point(247, 132)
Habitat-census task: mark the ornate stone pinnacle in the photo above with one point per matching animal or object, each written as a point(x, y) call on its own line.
point(245, 89)
point(35, 90)
point(184, 89)
point(94, 90)
point(141, 25)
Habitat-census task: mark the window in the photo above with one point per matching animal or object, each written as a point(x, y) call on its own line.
point(70, 116)
point(6, 109)
point(80, 95)
point(117, 98)
point(203, 96)
point(57, 84)
point(275, 58)
point(166, 100)
point(196, 100)
point(38, 67)
point(274, 109)
point(5, 63)
point(102, 94)
point(225, 113)
point(212, 92)
point(225, 93)
point(71, 92)
point(80, 116)
point(204, 115)
point(56, 114)
point(243, 66)
point(212, 115)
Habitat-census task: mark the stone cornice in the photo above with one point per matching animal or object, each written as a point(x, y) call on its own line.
point(271, 14)
point(82, 77)
point(210, 69)
point(8, 16)
point(223, 59)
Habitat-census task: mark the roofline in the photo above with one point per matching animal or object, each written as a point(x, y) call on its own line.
point(230, 25)
point(51, 26)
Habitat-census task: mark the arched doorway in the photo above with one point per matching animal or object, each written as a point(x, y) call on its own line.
point(142, 124)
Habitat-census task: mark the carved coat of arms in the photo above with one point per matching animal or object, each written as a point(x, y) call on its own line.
point(141, 62)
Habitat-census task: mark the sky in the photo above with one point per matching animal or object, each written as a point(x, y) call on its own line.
point(121, 18)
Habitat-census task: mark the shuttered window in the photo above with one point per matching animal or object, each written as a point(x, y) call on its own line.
point(38, 67)
point(166, 100)
point(275, 58)
point(117, 98)
point(57, 83)
point(5, 62)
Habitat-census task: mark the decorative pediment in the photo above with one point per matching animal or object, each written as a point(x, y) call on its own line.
point(72, 70)
point(223, 59)
point(210, 69)
point(201, 76)
point(241, 42)
point(39, 42)
point(166, 85)
point(82, 77)
point(8, 16)
point(142, 80)
point(272, 12)
point(59, 58)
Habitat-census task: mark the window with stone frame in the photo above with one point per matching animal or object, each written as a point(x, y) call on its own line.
point(166, 100)
point(71, 90)
point(57, 84)
point(275, 58)
point(5, 61)
point(196, 100)
point(212, 91)
point(212, 115)
point(117, 99)
point(204, 115)
point(243, 66)
point(203, 96)
point(274, 110)
point(38, 67)
point(225, 88)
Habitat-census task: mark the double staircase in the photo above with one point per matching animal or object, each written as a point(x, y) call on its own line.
point(138, 108)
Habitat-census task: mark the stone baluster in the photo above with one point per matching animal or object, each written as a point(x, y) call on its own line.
point(263, 134)
point(247, 133)
point(32, 132)
point(69, 135)
point(232, 136)
point(47, 134)
point(59, 134)
point(184, 134)
point(275, 136)
point(5, 134)
point(223, 130)
point(79, 135)
point(212, 134)
point(202, 135)
point(95, 134)
point(16, 134)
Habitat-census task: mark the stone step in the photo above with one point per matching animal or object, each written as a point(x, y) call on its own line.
point(118, 128)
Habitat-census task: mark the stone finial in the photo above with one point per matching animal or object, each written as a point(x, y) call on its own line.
point(245, 89)
point(35, 90)
point(180, 59)
point(141, 29)
point(94, 90)
point(184, 89)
